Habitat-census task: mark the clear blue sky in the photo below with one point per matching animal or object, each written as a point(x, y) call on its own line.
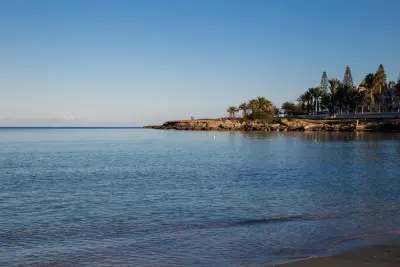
point(137, 62)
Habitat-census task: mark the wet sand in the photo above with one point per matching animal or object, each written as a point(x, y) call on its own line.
point(379, 256)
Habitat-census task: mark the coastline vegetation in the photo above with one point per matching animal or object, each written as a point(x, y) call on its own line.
point(256, 109)
point(312, 109)
point(332, 96)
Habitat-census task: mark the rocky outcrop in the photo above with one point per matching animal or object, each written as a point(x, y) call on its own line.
point(278, 125)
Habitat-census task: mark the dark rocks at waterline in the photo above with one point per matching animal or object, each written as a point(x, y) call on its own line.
point(279, 125)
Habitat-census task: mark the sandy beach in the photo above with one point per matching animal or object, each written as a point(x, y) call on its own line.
point(380, 256)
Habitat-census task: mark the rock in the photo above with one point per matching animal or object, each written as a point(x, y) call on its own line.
point(274, 127)
point(283, 125)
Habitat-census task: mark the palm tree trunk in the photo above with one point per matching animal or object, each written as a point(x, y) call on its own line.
point(370, 103)
point(379, 106)
point(362, 108)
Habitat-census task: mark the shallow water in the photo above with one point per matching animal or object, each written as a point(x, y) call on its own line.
point(137, 197)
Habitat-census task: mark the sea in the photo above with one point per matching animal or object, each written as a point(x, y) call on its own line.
point(143, 197)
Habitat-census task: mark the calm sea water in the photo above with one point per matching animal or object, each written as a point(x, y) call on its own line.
point(136, 197)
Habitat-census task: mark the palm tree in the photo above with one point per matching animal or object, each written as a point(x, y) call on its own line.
point(244, 107)
point(269, 107)
point(346, 96)
point(262, 102)
point(302, 100)
point(317, 93)
point(334, 83)
point(253, 105)
point(310, 91)
point(264, 105)
point(232, 110)
point(368, 83)
point(327, 102)
point(378, 97)
point(362, 97)
point(340, 97)
point(351, 96)
point(398, 94)
point(379, 85)
point(308, 96)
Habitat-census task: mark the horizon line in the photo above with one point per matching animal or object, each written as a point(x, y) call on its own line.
point(70, 127)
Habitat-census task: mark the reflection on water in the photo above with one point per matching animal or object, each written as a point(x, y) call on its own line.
point(323, 136)
point(166, 198)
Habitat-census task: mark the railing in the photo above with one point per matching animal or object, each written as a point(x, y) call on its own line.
point(369, 115)
point(365, 115)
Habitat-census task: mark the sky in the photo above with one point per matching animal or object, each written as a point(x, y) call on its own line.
point(132, 63)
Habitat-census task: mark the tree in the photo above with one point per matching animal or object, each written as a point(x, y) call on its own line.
point(308, 96)
point(398, 94)
point(274, 110)
point(379, 85)
point(313, 101)
point(362, 97)
point(262, 102)
point(317, 93)
point(270, 108)
point(324, 82)
point(333, 85)
point(289, 107)
point(348, 78)
point(261, 109)
point(232, 110)
point(368, 83)
point(346, 98)
point(253, 105)
point(302, 100)
point(327, 102)
point(340, 97)
point(244, 107)
point(351, 97)
point(264, 105)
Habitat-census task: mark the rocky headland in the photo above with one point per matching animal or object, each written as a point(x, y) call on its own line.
point(280, 125)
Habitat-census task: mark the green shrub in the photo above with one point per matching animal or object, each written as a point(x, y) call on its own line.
point(260, 115)
point(276, 121)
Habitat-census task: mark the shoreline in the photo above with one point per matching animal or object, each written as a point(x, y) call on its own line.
point(376, 256)
point(284, 124)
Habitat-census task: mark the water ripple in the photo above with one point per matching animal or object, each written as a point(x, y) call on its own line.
point(126, 197)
